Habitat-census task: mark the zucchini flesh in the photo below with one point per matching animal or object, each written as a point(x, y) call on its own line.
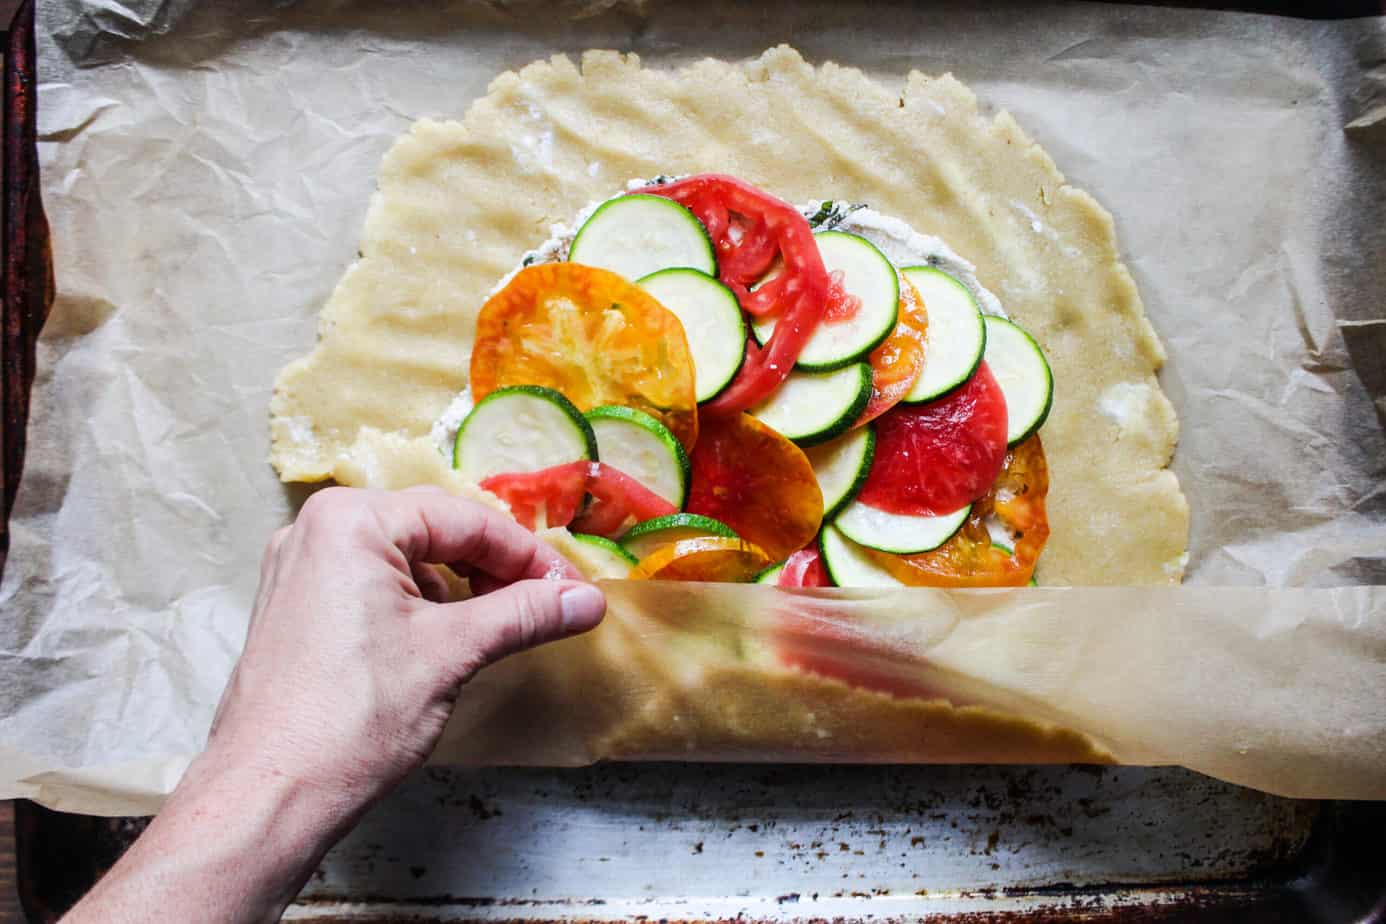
point(841, 467)
point(643, 448)
point(712, 322)
point(902, 534)
point(848, 563)
point(636, 235)
point(956, 336)
point(814, 407)
point(524, 428)
point(770, 575)
point(605, 558)
point(643, 538)
point(1019, 366)
point(867, 275)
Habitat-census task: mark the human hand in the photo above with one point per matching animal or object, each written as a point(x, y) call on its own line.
point(352, 663)
point(353, 660)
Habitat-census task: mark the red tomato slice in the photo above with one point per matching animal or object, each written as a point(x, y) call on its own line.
point(548, 497)
point(750, 230)
point(757, 482)
point(842, 305)
point(898, 361)
point(971, 558)
point(552, 496)
point(934, 458)
point(618, 501)
point(805, 569)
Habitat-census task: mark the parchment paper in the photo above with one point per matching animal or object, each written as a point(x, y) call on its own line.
point(206, 174)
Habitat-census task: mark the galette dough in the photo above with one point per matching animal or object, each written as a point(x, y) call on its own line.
point(459, 203)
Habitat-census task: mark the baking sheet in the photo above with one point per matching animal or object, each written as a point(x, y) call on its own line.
point(762, 843)
point(207, 171)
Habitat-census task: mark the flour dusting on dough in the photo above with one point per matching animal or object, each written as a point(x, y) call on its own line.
point(444, 431)
point(1126, 404)
point(300, 430)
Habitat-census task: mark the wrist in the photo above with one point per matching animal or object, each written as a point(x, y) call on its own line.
point(254, 832)
point(234, 843)
point(295, 806)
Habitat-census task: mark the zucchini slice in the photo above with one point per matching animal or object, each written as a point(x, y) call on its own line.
point(1018, 364)
point(848, 564)
point(643, 538)
point(639, 234)
point(902, 534)
point(712, 322)
point(841, 467)
point(770, 575)
point(867, 275)
point(813, 407)
point(607, 558)
point(956, 337)
point(523, 428)
point(643, 448)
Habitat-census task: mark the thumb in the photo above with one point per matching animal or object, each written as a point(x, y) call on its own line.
point(484, 629)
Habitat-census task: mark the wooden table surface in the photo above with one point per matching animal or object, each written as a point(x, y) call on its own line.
point(9, 900)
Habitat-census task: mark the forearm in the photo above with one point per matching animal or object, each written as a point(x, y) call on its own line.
point(349, 673)
point(232, 844)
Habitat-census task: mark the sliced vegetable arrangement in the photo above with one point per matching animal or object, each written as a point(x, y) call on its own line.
point(707, 389)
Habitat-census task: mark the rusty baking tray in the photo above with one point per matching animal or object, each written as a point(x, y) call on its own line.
point(975, 844)
point(721, 842)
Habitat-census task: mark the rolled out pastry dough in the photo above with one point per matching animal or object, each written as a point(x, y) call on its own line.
point(460, 202)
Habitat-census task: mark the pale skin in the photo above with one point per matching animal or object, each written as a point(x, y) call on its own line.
point(354, 658)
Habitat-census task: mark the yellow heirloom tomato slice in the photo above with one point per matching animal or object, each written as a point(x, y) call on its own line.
point(591, 335)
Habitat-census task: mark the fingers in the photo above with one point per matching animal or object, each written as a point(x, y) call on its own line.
point(431, 584)
point(481, 631)
point(442, 529)
point(435, 527)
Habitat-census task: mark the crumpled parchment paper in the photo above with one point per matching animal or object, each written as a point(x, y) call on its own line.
point(206, 172)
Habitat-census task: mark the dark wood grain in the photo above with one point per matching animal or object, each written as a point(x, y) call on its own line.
point(9, 881)
point(26, 284)
point(26, 271)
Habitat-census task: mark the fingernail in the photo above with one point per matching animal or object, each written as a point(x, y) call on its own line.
point(582, 606)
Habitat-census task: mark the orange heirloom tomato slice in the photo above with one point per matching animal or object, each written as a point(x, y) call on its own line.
point(706, 558)
point(757, 482)
point(970, 559)
point(899, 360)
point(591, 335)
